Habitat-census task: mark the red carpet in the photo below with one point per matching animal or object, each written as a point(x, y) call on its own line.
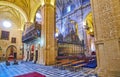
point(33, 74)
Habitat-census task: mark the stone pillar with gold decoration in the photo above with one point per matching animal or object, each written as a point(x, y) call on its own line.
point(106, 15)
point(48, 51)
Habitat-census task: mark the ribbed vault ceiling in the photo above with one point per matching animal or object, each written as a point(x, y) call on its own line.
point(8, 13)
point(61, 4)
point(20, 11)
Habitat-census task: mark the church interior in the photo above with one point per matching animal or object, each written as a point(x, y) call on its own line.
point(59, 38)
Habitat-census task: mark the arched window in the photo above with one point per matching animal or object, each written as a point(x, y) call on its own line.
point(38, 17)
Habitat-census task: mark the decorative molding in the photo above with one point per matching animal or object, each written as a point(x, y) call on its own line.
point(48, 5)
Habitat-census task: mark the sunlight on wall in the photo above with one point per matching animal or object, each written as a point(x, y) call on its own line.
point(52, 2)
point(42, 2)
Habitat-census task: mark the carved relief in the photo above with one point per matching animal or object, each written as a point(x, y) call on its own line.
point(105, 6)
point(109, 30)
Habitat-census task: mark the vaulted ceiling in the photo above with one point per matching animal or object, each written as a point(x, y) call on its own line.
point(10, 14)
point(21, 11)
point(62, 4)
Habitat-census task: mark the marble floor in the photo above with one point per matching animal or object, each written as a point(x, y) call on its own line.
point(48, 71)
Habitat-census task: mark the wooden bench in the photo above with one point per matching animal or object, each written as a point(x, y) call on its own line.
point(64, 63)
point(77, 67)
point(72, 63)
point(67, 64)
point(60, 62)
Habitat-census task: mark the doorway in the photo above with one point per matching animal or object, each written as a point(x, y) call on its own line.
point(11, 52)
point(36, 56)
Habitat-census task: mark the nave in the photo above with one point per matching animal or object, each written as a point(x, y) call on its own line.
point(48, 71)
point(45, 31)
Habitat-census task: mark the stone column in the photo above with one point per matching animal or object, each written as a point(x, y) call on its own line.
point(106, 15)
point(26, 49)
point(48, 52)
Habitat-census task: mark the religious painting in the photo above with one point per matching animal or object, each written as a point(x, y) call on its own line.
point(13, 40)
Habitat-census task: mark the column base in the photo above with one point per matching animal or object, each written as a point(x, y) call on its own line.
point(113, 73)
point(101, 72)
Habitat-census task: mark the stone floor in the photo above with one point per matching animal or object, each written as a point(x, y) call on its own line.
point(48, 71)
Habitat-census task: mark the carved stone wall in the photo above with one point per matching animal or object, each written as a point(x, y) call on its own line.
point(107, 36)
point(48, 46)
point(13, 32)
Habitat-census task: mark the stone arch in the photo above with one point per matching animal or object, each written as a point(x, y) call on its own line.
point(11, 46)
point(89, 23)
point(42, 2)
point(34, 13)
point(5, 3)
point(86, 13)
point(11, 49)
point(90, 32)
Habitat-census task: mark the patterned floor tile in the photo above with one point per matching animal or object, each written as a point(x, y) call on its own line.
point(48, 71)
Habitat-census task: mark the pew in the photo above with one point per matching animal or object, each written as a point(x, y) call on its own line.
point(72, 63)
point(60, 62)
point(63, 62)
point(77, 67)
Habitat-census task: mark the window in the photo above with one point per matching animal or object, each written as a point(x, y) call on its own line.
point(5, 35)
point(13, 40)
point(68, 9)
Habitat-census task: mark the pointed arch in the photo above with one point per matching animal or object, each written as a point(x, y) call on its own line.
point(11, 49)
point(34, 13)
point(89, 23)
point(42, 2)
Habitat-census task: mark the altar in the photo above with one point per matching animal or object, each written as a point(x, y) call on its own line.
point(11, 58)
